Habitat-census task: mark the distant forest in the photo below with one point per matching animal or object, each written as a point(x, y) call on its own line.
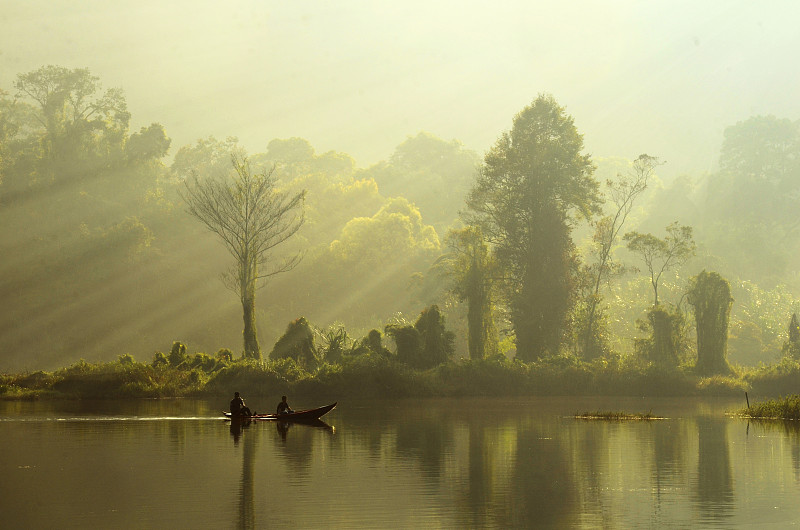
point(531, 249)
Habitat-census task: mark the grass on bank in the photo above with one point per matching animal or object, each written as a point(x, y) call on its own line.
point(383, 376)
point(784, 408)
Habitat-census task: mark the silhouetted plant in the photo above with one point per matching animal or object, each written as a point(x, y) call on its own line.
point(665, 340)
point(710, 296)
point(425, 344)
point(126, 359)
point(225, 355)
point(296, 343)
point(408, 342)
point(159, 359)
point(437, 342)
point(336, 340)
point(177, 354)
point(791, 348)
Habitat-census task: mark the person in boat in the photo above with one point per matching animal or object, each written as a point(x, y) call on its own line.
point(283, 406)
point(238, 408)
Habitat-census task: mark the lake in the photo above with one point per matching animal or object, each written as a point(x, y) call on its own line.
point(470, 463)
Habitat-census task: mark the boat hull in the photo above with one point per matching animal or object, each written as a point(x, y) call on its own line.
point(299, 416)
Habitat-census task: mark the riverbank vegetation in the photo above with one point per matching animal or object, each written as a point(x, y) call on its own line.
point(533, 270)
point(783, 408)
point(362, 373)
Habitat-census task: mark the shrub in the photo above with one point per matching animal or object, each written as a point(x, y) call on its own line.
point(296, 343)
point(177, 354)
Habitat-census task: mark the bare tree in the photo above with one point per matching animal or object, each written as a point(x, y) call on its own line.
point(622, 194)
point(251, 217)
point(660, 255)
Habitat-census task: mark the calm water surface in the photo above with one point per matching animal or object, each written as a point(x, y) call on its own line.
point(475, 463)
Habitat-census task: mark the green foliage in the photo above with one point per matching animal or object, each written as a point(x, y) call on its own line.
point(471, 270)
point(374, 341)
point(250, 377)
point(745, 343)
point(791, 347)
point(710, 296)
point(296, 343)
point(495, 375)
point(425, 344)
point(126, 358)
point(785, 408)
point(177, 354)
point(336, 343)
point(591, 323)
point(370, 375)
point(159, 359)
point(121, 380)
point(775, 379)
point(408, 341)
point(445, 168)
point(251, 216)
point(752, 199)
point(590, 328)
point(722, 385)
point(666, 340)
point(531, 181)
point(662, 255)
point(437, 342)
point(225, 355)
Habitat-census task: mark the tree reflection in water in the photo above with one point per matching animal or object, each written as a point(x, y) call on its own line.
point(714, 487)
point(246, 486)
point(543, 490)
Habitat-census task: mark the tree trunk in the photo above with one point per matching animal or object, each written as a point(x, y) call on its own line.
point(251, 347)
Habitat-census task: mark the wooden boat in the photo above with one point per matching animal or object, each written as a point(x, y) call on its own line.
point(309, 415)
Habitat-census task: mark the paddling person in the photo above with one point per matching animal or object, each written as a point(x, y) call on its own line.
point(283, 406)
point(238, 408)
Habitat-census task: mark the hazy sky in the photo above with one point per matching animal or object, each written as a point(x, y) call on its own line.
point(661, 77)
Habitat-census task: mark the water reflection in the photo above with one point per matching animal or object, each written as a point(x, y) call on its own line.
point(714, 484)
point(426, 440)
point(237, 425)
point(543, 491)
point(247, 517)
point(470, 464)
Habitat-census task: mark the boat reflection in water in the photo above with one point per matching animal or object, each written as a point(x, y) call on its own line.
point(284, 426)
point(247, 510)
point(237, 425)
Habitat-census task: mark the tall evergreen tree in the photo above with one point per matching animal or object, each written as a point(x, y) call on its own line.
point(531, 183)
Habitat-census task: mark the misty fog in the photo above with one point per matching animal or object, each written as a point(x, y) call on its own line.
point(383, 113)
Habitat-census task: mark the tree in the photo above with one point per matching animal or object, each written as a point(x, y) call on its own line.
point(251, 217)
point(531, 182)
point(432, 173)
point(666, 337)
point(425, 344)
point(791, 347)
point(437, 342)
point(296, 343)
point(81, 127)
point(752, 200)
point(661, 255)
point(622, 194)
point(471, 268)
point(710, 296)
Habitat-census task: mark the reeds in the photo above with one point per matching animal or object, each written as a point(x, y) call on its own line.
point(785, 408)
